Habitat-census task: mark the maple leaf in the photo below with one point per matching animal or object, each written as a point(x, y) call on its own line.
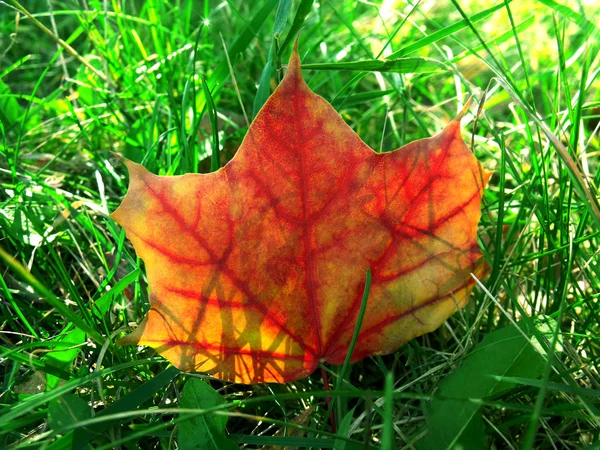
point(256, 271)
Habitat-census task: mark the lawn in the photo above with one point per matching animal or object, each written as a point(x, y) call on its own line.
point(173, 85)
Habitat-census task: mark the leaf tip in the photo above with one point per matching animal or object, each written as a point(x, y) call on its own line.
point(135, 336)
point(137, 173)
point(294, 69)
point(486, 175)
point(464, 110)
point(118, 156)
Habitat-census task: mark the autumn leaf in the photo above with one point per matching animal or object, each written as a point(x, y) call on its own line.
point(256, 271)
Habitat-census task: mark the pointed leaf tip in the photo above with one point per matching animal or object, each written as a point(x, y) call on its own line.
point(118, 156)
point(464, 110)
point(134, 337)
point(294, 69)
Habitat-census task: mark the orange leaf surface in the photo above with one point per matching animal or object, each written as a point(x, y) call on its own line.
point(256, 271)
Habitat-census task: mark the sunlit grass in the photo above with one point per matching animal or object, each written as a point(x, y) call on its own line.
point(133, 77)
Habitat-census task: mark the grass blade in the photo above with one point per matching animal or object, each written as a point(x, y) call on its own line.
point(445, 32)
point(401, 65)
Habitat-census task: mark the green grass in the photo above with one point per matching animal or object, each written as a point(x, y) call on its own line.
point(128, 77)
